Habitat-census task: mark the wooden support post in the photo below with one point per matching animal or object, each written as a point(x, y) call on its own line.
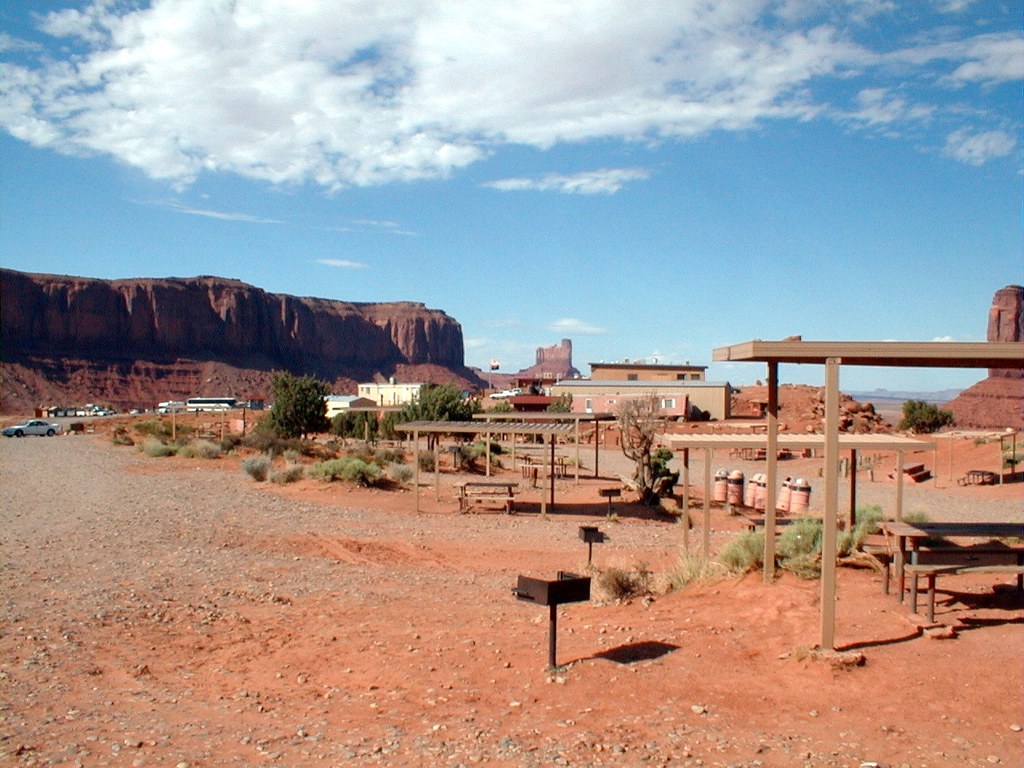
point(852, 520)
point(828, 542)
point(437, 468)
point(552, 472)
point(706, 544)
point(416, 467)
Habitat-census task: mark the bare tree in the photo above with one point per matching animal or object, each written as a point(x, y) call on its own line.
point(640, 421)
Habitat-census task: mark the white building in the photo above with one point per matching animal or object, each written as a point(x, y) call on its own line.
point(390, 393)
point(340, 403)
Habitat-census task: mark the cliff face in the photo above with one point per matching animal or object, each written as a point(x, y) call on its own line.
point(998, 401)
point(48, 320)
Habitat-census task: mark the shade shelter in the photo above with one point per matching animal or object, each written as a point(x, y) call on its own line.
point(552, 431)
point(833, 354)
point(851, 443)
point(574, 418)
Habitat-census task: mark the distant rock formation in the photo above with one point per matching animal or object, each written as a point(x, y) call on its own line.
point(553, 362)
point(998, 401)
point(148, 328)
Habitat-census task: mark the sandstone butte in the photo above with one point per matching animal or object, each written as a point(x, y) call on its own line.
point(135, 342)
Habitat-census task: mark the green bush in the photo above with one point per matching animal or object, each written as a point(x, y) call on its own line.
point(290, 455)
point(399, 473)
point(285, 476)
point(802, 537)
point(349, 468)
point(744, 553)
point(385, 456)
point(257, 467)
point(153, 446)
point(202, 449)
point(425, 461)
point(921, 417)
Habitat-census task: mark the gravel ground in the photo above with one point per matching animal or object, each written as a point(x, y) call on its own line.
point(170, 612)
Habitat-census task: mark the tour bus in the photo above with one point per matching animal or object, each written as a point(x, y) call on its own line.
point(210, 403)
point(170, 406)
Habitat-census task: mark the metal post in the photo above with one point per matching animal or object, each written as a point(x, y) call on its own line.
point(552, 636)
point(771, 455)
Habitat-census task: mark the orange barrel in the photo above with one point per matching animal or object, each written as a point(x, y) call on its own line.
point(760, 493)
point(735, 488)
point(721, 485)
point(750, 490)
point(784, 500)
point(800, 499)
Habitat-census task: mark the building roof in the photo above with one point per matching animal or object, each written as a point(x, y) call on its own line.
point(623, 383)
point(650, 366)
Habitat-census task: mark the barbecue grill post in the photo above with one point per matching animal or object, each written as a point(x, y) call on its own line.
point(553, 636)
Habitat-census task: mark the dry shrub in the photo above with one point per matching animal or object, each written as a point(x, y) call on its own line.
point(621, 584)
point(257, 467)
point(285, 476)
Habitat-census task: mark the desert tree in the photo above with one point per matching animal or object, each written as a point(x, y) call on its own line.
point(439, 402)
point(640, 420)
point(299, 405)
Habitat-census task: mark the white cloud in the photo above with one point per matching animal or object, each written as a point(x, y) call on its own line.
point(220, 215)
point(606, 181)
point(571, 325)
point(878, 106)
point(341, 263)
point(10, 43)
point(979, 148)
point(369, 93)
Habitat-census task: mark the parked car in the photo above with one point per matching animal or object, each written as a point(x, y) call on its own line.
point(33, 427)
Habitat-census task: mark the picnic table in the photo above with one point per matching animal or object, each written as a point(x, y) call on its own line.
point(978, 477)
point(914, 555)
point(488, 493)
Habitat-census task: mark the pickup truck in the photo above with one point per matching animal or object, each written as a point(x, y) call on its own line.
point(33, 427)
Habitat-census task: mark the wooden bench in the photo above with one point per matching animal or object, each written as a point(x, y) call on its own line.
point(487, 494)
point(932, 572)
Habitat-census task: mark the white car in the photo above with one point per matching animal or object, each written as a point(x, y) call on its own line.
point(33, 427)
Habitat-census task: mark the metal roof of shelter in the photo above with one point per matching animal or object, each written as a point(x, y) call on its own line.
point(550, 429)
point(833, 355)
point(543, 416)
point(475, 427)
point(927, 354)
point(868, 442)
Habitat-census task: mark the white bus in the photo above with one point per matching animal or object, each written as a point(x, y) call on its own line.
point(210, 403)
point(170, 406)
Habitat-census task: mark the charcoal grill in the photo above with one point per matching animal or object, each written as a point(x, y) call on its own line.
point(591, 535)
point(567, 588)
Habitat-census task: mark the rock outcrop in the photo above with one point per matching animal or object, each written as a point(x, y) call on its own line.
point(553, 362)
point(61, 326)
point(998, 401)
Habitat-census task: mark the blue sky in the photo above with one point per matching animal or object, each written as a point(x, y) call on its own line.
point(650, 180)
